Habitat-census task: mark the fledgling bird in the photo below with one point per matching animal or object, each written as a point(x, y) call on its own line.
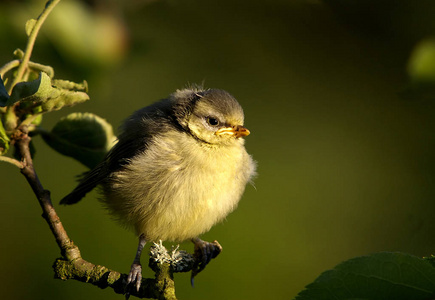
point(179, 167)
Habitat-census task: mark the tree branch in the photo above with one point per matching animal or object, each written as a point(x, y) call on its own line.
point(161, 262)
point(68, 249)
point(102, 277)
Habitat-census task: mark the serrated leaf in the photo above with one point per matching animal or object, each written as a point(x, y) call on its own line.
point(4, 96)
point(30, 24)
point(4, 140)
point(82, 136)
point(383, 275)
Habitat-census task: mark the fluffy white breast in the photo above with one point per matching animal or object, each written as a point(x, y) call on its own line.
point(180, 187)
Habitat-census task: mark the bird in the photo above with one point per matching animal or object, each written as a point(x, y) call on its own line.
point(179, 167)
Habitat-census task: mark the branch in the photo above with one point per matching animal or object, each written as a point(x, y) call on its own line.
point(161, 262)
point(67, 247)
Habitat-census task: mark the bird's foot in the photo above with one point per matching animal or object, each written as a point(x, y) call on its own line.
point(204, 252)
point(134, 279)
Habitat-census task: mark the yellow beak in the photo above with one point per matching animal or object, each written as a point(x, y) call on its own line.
point(236, 131)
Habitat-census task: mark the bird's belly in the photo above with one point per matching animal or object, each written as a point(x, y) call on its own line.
point(170, 193)
point(187, 209)
point(177, 204)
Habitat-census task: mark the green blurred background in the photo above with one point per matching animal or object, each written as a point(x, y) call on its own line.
point(338, 96)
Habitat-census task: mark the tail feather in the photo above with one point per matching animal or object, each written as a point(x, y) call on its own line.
point(87, 184)
point(72, 198)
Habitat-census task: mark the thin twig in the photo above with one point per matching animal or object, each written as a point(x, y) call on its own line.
point(29, 48)
point(68, 249)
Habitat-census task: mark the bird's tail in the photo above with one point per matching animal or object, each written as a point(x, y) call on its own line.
point(72, 198)
point(89, 181)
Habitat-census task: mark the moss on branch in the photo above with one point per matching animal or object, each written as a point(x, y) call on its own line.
point(163, 263)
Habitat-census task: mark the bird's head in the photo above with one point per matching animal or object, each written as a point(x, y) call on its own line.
point(212, 116)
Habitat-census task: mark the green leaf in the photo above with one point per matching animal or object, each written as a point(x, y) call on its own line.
point(65, 98)
point(4, 96)
point(4, 140)
point(421, 65)
point(82, 136)
point(30, 24)
point(430, 259)
point(383, 275)
point(421, 71)
point(35, 91)
point(40, 92)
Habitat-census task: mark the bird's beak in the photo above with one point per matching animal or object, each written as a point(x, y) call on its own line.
point(236, 131)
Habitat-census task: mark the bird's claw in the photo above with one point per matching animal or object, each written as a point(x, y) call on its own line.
point(204, 252)
point(134, 279)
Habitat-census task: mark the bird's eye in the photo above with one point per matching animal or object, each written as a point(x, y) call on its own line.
point(212, 121)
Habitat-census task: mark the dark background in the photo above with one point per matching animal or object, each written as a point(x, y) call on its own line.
point(342, 129)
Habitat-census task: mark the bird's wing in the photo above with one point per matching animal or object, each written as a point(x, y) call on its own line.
point(117, 157)
point(133, 140)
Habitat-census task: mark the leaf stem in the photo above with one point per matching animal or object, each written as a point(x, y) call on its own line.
point(9, 66)
point(32, 65)
point(29, 120)
point(12, 161)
